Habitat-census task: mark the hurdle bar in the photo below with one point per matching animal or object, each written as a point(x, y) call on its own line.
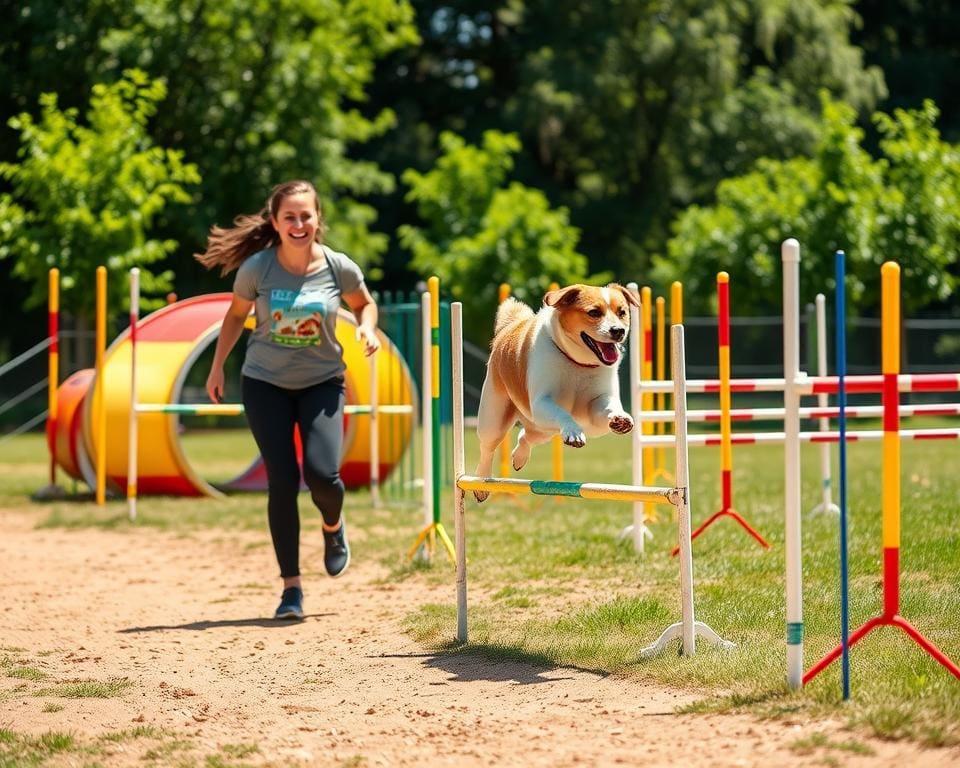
point(811, 412)
point(890, 496)
point(688, 628)
point(815, 385)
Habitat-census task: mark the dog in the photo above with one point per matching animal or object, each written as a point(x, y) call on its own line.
point(555, 371)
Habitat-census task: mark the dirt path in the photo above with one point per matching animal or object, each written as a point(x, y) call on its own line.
point(184, 621)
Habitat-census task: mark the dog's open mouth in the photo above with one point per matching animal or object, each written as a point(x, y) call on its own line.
point(607, 352)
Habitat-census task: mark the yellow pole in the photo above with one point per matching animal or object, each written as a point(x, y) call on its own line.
point(660, 427)
point(556, 444)
point(53, 365)
point(646, 373)
point(505, 445)
point(100, 411)
point(676, 303)
point(890, 338)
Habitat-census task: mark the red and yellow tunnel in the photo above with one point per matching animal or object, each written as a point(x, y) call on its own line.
point(169, 342)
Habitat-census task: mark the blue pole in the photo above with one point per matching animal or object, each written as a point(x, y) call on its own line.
point(841, 343)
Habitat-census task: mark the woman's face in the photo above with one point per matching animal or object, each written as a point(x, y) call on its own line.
point(297, 220)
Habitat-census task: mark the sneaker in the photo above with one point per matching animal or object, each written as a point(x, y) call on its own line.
point(291, 604)
point(336, 554)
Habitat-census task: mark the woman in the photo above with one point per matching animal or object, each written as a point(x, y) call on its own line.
point(293, 374)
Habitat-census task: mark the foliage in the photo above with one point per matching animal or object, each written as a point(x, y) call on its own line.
point(902, 206)
point(481, 232)
point(259, 92)
point(628, 111)
point(86, 194)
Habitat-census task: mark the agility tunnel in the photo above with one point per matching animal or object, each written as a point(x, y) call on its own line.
point(168, 343)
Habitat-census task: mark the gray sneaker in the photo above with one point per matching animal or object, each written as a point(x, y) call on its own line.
point(291, 604)
point(336, 553)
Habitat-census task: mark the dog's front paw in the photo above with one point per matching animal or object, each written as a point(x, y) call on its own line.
point(481, 496)
point(574, 438)
point(621, 423)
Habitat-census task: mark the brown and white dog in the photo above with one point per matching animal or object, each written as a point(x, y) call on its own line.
point(555, 371)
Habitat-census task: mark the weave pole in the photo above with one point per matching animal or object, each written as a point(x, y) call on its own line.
point(841, 352)
point(726, 441)
point(434, 528)
point(53, 367)
point(503, 295)
point(132, 424)
point(637, 530)
point(825, 413)
point(890, 498)
point(790, 256)
point(100, 407)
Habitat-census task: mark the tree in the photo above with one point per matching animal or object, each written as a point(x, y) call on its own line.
point(258, 93)
point(86, 194)
point(628, 110)
point(903, 205)
point(481, 232)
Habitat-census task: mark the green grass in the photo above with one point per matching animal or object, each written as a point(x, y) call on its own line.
point(549, 583)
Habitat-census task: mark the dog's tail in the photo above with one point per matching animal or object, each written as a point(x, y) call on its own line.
point(509, 311)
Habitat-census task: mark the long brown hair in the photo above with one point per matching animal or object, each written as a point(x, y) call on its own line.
point(229, 247)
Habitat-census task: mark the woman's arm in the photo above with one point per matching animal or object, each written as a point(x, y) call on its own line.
point(233, 322)
point(365, 310)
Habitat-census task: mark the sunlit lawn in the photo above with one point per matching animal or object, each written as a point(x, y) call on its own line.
point(548, 579)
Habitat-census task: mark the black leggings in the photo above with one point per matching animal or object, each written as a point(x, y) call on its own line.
point(272, 412)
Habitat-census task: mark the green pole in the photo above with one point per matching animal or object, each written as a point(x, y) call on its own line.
point(433, 285)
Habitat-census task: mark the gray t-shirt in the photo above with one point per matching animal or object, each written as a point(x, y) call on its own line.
point(294, 344)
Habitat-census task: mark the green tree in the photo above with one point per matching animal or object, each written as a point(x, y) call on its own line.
point(86, 194)
point(482, 231)
point(628, 110)
point(903, 205)
point(258, 92)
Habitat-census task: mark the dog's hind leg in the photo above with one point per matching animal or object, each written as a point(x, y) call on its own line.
point(494, 419)
point(527, 438)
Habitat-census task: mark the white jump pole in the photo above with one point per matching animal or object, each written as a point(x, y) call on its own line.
point(790, 256)
point(688, 627)
point(374, 435)
point(823, 400)
point(638, 529)
point(132, 435)
point(459, 463)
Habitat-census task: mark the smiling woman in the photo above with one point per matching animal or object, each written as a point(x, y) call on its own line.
point(294, 369)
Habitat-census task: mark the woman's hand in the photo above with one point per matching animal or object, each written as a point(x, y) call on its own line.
point(371, 342)
point(215, 384)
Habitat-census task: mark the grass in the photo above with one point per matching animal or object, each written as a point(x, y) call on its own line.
point(549, 582)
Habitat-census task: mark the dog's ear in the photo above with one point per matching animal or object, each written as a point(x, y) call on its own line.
point(627, 293)
point(563, 296)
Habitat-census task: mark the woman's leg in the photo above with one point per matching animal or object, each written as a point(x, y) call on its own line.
point(271, 413)
point(320, 416)
point(321, 425)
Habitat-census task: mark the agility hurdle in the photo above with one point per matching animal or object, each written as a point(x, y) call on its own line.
point(679, 496)
point(890, 497)
point(889, 383)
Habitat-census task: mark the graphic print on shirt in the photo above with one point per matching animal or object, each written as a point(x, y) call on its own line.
point(296, 316)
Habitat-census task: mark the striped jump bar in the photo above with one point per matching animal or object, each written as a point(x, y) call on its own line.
point(610, 492)
point(815, 385)
point(236, 409)
point(945, 433)
point(760, 414)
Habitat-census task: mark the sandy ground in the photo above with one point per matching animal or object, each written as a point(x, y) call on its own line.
point(185, 620)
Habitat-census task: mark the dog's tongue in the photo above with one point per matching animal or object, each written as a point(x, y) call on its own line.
point(609, 352)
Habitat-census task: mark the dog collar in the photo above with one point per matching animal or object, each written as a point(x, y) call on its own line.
point(575, 362)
